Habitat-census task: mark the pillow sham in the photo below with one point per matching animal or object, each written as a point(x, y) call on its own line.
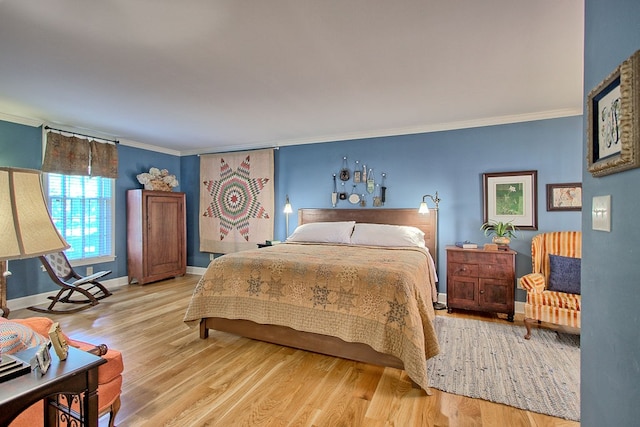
point(565, 274)
point(387, 235)
point(323, 232)
point(15, 337)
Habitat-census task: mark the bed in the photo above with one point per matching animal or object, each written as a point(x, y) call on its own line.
point(363, 302)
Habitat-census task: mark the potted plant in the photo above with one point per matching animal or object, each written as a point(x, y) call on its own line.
point(502, 232)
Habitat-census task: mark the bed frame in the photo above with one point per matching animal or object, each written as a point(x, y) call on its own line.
point(325, 344)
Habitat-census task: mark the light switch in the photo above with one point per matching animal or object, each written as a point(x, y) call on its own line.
point(601, 213)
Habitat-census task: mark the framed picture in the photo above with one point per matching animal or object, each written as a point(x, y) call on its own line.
point(564, 197)
point(613, 130)
point(511, 197)
point(43, 358)
point(58, 341)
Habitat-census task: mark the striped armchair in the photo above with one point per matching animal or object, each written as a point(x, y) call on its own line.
point(546, 305)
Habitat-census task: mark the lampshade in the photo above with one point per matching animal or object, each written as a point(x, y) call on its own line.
point(287, 206)
point(424, 209)
point(26, 229)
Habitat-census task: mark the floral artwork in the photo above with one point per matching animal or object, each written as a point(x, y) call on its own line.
point(510, 199)
point(564, 197)
point(158, 179)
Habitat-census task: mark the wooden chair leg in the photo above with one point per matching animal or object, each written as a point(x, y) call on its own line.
point(115, 407)
point(101, 290)
point(527, 324)
point(62, 298)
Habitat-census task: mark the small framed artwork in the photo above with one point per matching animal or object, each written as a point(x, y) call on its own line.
point(564, 197)
point(511, 197)
point(43, 358)
point(58, 341)
point(613, 129)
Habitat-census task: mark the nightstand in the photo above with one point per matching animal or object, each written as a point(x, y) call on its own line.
point(481, 280)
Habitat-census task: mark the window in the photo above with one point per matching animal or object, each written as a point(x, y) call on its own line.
point(82, 208)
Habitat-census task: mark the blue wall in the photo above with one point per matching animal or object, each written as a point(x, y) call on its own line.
point(21, 146)
point(610, 363)
point(450, 162)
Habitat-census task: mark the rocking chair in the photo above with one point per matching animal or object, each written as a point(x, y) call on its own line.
point(61, 272)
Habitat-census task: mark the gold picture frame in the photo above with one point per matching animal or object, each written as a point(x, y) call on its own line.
point(58, 341)
point(613, 128)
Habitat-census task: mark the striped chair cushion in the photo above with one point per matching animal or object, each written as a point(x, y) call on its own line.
point(554, 299)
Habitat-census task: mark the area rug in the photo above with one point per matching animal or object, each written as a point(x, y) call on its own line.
point(492, 361)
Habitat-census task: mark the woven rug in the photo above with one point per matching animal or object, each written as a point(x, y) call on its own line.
point(492, 361)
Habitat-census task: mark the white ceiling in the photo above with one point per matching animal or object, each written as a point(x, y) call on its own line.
point(200, 76)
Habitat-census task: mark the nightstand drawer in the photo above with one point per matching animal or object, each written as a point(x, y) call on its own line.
point(464, 257)
point(468, 270)
point(498, 271)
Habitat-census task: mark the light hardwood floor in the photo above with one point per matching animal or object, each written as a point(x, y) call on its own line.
point(174, 378)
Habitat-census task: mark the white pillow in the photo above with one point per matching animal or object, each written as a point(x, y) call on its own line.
point(387, 235)
point(323, 232)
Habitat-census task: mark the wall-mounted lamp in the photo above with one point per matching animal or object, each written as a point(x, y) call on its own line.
point(424, 209)
point(287, 210)
point(26, 229)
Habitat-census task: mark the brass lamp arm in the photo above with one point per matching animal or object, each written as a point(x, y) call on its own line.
point(435, 199)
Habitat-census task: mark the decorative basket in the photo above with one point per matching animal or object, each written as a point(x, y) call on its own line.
point(157, 185)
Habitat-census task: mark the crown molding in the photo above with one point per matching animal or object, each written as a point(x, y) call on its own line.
point(149, 147)
point(38, 122)
point(21, 120)
point(440, 127)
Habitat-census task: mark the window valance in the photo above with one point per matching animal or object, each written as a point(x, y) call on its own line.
point(71, 155)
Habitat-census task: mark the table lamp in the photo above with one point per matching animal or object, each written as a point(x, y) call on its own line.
point(26, 229)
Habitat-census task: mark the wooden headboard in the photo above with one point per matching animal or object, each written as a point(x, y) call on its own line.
point(428, 223)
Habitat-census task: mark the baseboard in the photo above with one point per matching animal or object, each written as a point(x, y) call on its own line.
point(519, 306)
point(43, 298)
point(111, 284)
point(196, 270)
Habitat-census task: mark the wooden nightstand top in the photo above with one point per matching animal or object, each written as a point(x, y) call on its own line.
point(456, 248)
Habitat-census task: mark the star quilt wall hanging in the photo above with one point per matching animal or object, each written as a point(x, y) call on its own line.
point(236, 200)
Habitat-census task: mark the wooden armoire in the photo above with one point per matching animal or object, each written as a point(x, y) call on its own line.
point(156, 235)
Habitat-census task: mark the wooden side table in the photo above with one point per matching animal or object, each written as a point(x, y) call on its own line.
point(481, 280)
point(76, 376)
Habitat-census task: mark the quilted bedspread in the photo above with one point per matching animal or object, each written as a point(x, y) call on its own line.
point(373, 295)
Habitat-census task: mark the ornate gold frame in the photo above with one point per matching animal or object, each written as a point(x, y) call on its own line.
point(627, 77)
